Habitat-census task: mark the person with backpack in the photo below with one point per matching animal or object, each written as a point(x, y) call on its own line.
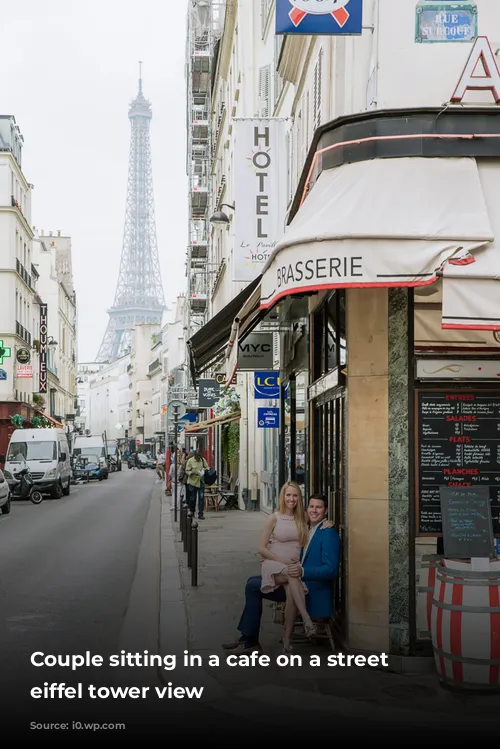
point(196, 467)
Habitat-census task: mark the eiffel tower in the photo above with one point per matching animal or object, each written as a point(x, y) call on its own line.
point(139, 294)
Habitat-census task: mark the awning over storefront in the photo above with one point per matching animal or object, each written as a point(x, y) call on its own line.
point(213, 422)
point(208, 345)
point(471, 292)
point(52, 421)
point(385, 222)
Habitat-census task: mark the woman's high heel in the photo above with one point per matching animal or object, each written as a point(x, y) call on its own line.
point(310, 629)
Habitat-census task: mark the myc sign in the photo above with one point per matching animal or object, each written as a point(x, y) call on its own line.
point(314, 17)
point(446, 22)
point(256, 352)
point(43, 348)
point(268, 418)
point(266, 385)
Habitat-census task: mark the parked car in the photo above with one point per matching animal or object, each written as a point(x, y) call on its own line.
point(4, 495)
point(91, 446)
point(88, 468)
point(143, 461)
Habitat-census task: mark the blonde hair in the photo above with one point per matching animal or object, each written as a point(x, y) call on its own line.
point(299, 514)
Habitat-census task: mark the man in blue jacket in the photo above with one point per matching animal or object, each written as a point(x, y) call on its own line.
point(318, 568)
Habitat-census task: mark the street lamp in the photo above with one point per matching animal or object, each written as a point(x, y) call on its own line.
point(220, 218)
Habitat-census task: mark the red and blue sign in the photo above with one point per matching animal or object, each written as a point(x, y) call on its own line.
point(314, 17)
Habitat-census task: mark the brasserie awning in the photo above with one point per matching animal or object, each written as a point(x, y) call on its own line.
point(208, 345)
point(381, 223)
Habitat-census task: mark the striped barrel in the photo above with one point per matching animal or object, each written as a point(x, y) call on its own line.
point(465, 626)
point(425, 591)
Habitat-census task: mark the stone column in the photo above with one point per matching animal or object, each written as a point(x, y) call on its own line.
point(399, 488)
point(368, 469)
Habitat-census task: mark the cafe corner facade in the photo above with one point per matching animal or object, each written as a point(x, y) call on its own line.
point(386, 286)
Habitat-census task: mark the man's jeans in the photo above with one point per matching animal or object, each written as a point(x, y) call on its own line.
point(249, 625)
point(193, 493)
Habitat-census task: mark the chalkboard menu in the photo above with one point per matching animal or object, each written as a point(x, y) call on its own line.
point(458, 445)
point(466, 518)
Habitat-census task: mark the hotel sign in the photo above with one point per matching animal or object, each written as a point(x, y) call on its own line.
point(43, 349)
point(260, 193)
point(313, 17)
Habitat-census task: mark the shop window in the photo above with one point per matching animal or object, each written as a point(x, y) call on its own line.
point(329, 337)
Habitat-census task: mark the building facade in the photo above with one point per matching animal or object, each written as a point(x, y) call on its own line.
point(382, 286)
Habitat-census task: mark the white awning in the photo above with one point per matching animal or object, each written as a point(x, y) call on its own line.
point(385, 222)
point(471, 291)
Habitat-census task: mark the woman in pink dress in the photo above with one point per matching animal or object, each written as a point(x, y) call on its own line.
point(284, 536)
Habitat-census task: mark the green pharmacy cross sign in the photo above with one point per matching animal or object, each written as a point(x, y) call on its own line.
point(4, 352)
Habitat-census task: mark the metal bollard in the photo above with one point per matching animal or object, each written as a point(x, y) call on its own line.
point(183, 521)
point(188, 539)
point(187, 529)
point(194, 554)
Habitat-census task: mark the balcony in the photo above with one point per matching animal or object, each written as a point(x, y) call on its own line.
point(21, 270)
point(154, 367)
point(198, 251)
point(23, 333)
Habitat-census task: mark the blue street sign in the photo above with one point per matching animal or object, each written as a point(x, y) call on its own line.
point(266, 385)
point(446, 22)
point(268, 418)
point(312, 17)
point(3, 374)
point(498, 547)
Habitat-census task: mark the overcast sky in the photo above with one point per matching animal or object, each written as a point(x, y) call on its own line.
point(69, 70)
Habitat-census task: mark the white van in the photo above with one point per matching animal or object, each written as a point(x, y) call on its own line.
point(92, 445)
point(46, 453)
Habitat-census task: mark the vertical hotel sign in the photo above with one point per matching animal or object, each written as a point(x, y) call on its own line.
point(43, 348)
point(260, 187)
point(330, 17)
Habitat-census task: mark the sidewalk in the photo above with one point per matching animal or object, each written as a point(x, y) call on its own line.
point(200, 619)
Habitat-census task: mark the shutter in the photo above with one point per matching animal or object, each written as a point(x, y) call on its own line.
point(318, 90)
point(264, 76)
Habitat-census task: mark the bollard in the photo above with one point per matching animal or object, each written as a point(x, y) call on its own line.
point(194, 554)
point(187, 529)
point(188, 539)
point(183, 521)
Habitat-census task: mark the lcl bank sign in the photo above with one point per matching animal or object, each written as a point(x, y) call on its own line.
point(256, 352)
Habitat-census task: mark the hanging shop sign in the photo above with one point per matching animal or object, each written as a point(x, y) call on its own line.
point(5, 352)
point(445, 22)
point(23, 356)
point(209, 393)
point(481, 73)
point(43, 349)
point(256, 352)
point(260, 193)
point(25, 371)
point(268, 418)
point(266, 385)
point(328, 17)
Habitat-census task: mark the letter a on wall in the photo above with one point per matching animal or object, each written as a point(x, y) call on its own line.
point(481, 72)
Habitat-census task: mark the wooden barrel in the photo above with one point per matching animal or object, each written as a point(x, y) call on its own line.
point(425, 592)
point(465, 626)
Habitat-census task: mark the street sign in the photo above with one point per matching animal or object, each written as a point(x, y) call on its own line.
point(445, 22)
point(174, 406)
point(268, 418)
point(266, 385)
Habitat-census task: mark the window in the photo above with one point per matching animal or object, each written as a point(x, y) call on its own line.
point(264, 77)
point(330, 347)
point(265, 7)
point(278, 81)
point(318, 90)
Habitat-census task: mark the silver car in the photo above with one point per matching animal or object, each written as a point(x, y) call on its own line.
point(4, 495)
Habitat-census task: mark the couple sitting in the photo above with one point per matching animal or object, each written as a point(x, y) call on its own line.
point(300, 558)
